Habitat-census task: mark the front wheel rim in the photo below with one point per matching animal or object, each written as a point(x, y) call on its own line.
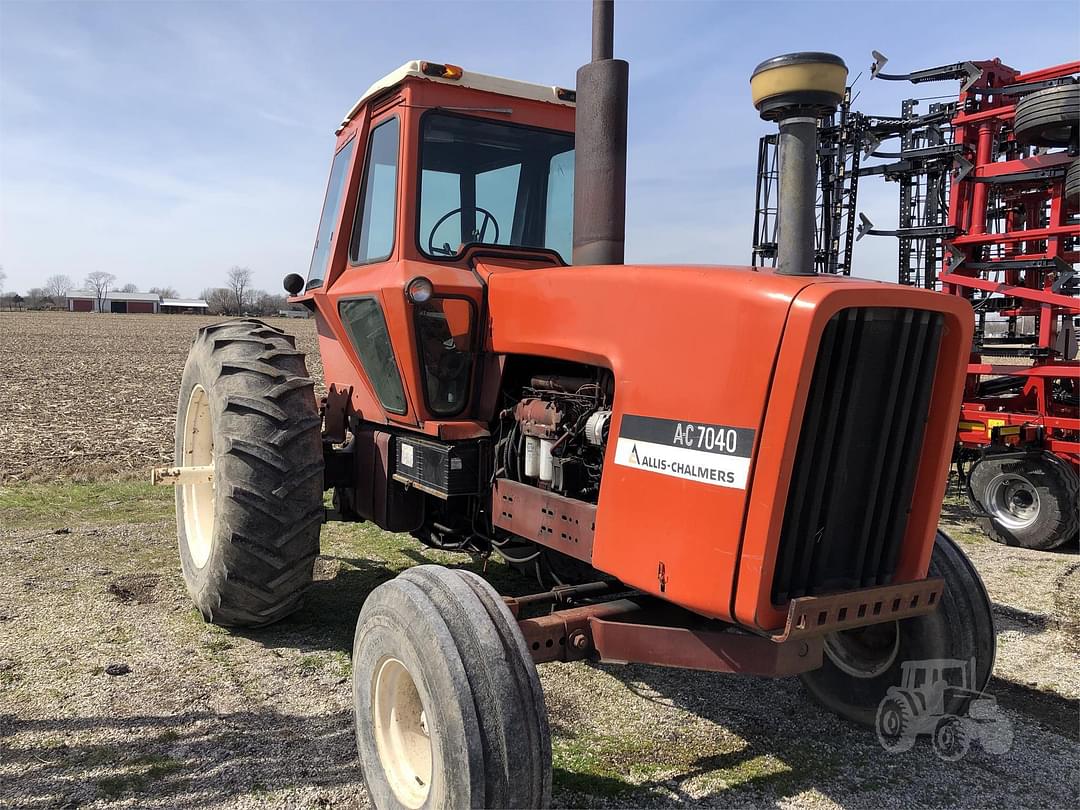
point(864, 652)
point(402, 734)
point(197, 450)
point(1012, 501)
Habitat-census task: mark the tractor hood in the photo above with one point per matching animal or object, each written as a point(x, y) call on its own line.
point(698, 354)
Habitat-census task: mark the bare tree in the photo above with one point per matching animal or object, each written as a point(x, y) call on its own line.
point(165, 292)
point(100, 282)
point(129, 288)
point(38, 298)
point(3, 278)
point(239, 282)
point(58, 286)
point(219, 299)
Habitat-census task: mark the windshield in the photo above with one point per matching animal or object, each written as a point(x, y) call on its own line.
point(495, 183)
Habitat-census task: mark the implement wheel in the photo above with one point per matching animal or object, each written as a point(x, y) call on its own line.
point(861, 664)
point(1072, 184)
point(1049, 117)
point(250, 534)
point(1028, 501)
point(448, 706)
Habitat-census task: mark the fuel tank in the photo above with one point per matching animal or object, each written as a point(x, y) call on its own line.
point(741, 396)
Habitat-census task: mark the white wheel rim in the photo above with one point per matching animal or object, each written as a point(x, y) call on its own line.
point(402, 735)
point(198, 499)
point(1012, 501)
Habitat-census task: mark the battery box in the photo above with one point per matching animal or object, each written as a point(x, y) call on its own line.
point(438, 468)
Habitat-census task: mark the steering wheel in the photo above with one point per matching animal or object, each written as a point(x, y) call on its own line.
point(478, 235)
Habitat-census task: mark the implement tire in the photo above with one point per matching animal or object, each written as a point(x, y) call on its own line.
point(854, 678)
point(249, 539)
point(1028, 501)
point(448, 706)
point(1072, 184)
point(1049, 117)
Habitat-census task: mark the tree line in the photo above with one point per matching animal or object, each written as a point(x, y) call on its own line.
point(236, 297)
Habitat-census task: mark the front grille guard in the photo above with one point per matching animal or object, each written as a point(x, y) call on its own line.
point(812, 616)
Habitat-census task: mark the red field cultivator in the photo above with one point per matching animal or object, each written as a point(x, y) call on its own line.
point(989, 210)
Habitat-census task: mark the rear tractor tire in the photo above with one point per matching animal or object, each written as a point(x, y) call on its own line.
point(860, 665)
point(248, 537)
point(448, 706)
point(1028, 501)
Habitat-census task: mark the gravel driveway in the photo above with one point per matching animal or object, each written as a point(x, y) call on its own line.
point(204, 718)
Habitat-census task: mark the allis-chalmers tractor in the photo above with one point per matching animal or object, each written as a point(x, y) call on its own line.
point(720, 468)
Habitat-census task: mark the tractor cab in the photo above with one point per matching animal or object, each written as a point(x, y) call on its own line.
point(433, 166)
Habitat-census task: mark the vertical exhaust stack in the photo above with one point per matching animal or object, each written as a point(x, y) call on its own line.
point(600, 148)
point(795, 90)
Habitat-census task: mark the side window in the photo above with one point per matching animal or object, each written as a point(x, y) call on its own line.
point(373, 232)
point(366, 325)
point(325, 236)
point(559, 213)
point(444, 331)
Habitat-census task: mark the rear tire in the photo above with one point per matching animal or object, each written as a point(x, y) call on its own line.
point(1028, 501)
point(1049, 117)
point(248, 541)
point(484, 738)
point(961, 628)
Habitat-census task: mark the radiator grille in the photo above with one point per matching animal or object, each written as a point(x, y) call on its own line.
point(855, 466)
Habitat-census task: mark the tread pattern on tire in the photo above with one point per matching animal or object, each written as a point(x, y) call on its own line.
point(269, 472)
point(513, 723)
point(479, 686)
point(1048, 117)
point(1072, 182)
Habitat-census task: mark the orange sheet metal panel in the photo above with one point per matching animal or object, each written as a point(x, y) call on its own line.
point(809, 313)
point(691, 346)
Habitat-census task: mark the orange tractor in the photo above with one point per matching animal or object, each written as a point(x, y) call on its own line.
point(721, 468)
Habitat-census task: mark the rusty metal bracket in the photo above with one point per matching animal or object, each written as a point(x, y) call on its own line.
point(564, 524)
point(334, 414)
point(181, 476)
point(815, 616)
point(630, 631)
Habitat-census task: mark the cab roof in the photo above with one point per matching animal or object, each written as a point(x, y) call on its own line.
point(468, 78)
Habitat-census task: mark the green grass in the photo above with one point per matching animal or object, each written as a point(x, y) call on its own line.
point(106, 503)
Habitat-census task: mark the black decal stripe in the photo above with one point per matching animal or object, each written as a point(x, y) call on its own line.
point(664, 431)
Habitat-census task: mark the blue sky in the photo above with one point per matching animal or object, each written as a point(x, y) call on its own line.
point(166, 142)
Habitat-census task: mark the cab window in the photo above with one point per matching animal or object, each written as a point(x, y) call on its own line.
point(328, 219)
point(494, 183)
point(363, 318)
point(373, 231)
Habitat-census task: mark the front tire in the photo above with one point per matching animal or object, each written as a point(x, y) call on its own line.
point(248, 538)
point(853, 685)
point(1028, 501)
point(448, 706)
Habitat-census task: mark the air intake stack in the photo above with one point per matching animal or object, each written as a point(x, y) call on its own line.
point(795, 90)
point(600, 148)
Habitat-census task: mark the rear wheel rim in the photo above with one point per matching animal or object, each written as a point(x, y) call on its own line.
point(1012, 501)
point(198, 499)
point(402, 735)
point(864, 652)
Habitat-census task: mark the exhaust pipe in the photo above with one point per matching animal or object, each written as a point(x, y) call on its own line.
point(796, 90)
point(600, 147)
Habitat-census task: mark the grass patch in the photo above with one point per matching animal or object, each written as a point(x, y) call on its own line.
point(105, 503)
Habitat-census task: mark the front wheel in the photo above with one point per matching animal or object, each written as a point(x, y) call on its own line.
point(861, 664)
point(448, 706)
